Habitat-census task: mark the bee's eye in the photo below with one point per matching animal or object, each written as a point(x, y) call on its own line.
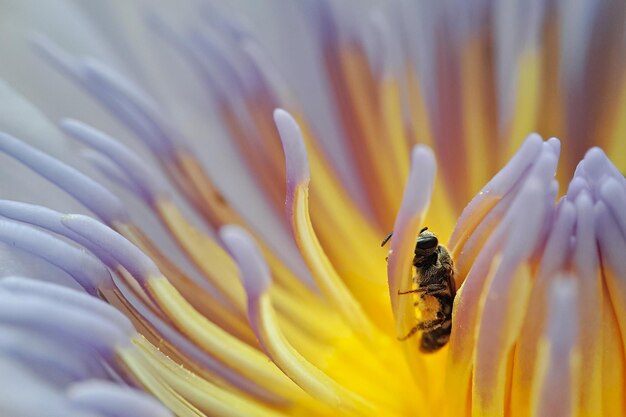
point(427, 242)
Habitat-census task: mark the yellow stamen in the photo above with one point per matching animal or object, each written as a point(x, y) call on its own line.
point(152, 383)
point(210, 258)
point(310, 378)
point(324, 273)
point(409, 220)
point(219, 213)
point(237, 355)
point(339, 222)
point(222, 273)
point(226, 317)
point(207, 397)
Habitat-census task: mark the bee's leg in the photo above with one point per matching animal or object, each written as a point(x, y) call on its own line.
point(425, 326)
point(432, 288)
point(429, 326)
point(410, 333)
point(415, 291)
point(386, 239)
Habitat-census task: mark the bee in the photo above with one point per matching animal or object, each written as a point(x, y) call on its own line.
point(435, 290)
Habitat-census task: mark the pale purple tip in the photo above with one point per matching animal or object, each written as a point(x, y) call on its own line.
point(597, 165)
point(135, 169)
point(253, 269)
point(55, 55)
point(556, 146)
point(577, 185)
point(593, 173)
point(50, 220)
point(35, 288)
point(534, 157)
point(544, 166)
point(296, 156)
point(613, 193)
point(87, 191)
point(131, 105)
point(523, 158)
point(86, 269)
point(595, 162)
point(73, 324)
point(98, 72)
point(117, 246)
point(110, 170)
point(111, 400)
point(120, 95)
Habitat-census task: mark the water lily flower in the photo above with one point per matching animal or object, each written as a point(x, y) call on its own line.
point(193, 199)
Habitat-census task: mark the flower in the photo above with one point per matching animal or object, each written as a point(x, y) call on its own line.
point(197, 301)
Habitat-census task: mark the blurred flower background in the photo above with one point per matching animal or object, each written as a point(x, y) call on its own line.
point(222, 257)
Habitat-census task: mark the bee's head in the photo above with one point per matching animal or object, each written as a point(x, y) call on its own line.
point(425, 246)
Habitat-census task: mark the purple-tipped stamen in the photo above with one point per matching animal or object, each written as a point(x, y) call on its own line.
point(140, 266)
point(87, 191)
point(86, 269)
point(137, 172)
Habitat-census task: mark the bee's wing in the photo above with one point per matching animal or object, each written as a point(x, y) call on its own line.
point(446, 260)
point(452, 283)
